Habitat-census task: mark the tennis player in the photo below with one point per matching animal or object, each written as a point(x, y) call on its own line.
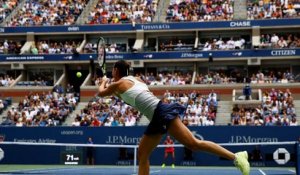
point(163, 118)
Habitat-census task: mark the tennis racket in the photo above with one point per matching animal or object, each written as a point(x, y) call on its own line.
point(101, 56)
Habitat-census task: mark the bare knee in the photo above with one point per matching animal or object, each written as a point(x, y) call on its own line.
point(192, 144)
point(196, 145)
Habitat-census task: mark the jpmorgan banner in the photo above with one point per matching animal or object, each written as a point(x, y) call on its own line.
point(16, 154)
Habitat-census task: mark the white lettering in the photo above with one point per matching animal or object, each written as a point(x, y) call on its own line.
point(191, 55)
point(249, 139)
point(115, 56)
point(72, 29)
point(155, 27)
point(123, 140)
point(240, 24)
point(283, 52)
point(72, 132)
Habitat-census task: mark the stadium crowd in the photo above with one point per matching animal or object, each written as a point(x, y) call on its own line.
point(10, 47)
point(44, 109)
point(118, 12)
point(271, 9)
point(6, 7)
point(54, 47)
point(6, 80)
point(277, 109)
point(279, 41)
point(192, 10)
point(107, 112)
point(48, 13)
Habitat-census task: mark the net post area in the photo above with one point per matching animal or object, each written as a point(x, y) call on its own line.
point(298, 158)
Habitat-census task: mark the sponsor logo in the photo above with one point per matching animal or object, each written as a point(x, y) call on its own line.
point(283, 52)
point(249, 139)
point(122, 140)
point(281, 156)
point(25, 58)
point(70, 57)
point(114, 56)
point(237, 54)
point(155, 27)
point(191, 55)
point(2, 30)
point(35, 140)
point(188, 163)
point(73, 29)
point(240, 24)
point(148, 56)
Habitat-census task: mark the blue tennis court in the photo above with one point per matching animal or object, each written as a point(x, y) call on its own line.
point(155, 170)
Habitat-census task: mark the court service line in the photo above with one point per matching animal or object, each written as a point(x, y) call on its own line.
point(293, 171)
point(156, 171)
point(262, 172)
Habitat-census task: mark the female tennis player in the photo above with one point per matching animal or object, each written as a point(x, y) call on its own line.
point(163, 118)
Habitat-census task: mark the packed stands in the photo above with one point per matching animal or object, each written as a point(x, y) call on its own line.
point(45, 109)
point(279, 41)
point(48, 13)
point(276, 109)
point(119, 12)
point(107, 112)
point(54, 47)
point(6, 7)
point(6, 80)
point(270, 9)
point(10, 47)
point(91, 47)
point(201, 109)
point(196, 11)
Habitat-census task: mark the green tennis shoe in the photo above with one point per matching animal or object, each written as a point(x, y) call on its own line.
point(241, 162)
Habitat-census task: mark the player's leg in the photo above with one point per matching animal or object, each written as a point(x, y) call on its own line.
point(180, 132)
point(147, 144)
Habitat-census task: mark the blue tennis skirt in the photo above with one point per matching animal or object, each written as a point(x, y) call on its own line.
point(162, 117)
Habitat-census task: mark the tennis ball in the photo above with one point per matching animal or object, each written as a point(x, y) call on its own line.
point(78, 74)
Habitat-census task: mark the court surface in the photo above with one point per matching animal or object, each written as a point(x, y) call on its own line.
point(122, 170)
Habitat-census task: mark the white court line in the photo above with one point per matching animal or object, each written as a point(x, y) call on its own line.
point(157, 171)
point(262, 172)
point(293, 171)
point(151, 172)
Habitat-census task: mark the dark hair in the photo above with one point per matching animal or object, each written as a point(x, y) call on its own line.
point(123, 67)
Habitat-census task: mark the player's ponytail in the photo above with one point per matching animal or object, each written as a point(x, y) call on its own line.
point(123, 68)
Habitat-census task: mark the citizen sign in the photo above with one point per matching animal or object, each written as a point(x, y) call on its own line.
point(283, 52)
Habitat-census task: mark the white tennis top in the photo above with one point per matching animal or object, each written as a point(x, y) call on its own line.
point(139, 97)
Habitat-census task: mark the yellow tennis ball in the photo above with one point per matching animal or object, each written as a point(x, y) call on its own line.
point(78, 74)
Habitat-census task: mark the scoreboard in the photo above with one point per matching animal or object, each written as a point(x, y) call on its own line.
point(71, 155)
